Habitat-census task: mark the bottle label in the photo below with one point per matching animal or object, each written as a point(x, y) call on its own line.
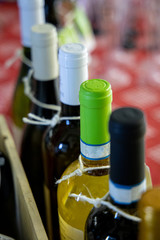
point(68, 232)
point(95, 152)
point(123, 194)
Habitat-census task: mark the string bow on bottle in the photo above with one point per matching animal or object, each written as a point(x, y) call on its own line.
point(97, 202)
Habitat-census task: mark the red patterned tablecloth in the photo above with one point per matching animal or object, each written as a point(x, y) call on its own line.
point(134, 75)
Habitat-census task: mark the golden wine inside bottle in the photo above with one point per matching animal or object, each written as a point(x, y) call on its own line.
point(73, 213)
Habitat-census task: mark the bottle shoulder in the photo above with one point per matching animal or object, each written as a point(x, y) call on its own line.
point(109, 223)
point(90, 186)
point(63, 132)
point(85, 184)
point(60, 147)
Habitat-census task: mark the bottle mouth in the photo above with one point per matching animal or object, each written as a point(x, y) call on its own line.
point(95, 93)
point(73, 55)
point(44, 35)
point(127, 122)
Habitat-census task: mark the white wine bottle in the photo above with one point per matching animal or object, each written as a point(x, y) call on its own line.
point(95, 107)
point(31, 13)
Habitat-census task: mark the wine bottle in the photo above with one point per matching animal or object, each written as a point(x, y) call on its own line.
point(95, 107)
point(127, 178)
point(31, 13)
point(8, 219)
point(61, 142)
point(149, 212)
point(45, 90)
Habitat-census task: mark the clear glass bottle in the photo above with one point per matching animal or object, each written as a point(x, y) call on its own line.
point(127, 178)
point(149, 212)
point(61, 142)
point(31, 13)
point(45, 89)
point(95, 107)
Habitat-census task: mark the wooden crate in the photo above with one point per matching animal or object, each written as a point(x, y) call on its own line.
point(29, 221)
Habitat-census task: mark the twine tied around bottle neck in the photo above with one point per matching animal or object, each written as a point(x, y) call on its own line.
point(17, 55)
point(36, 120)
point(97, 202)
point(79, 171)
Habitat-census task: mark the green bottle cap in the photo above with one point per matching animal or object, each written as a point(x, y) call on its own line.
point(95, 98)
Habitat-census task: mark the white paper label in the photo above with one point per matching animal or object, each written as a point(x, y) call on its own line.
point(68, 232)
point(126, 194)
point(95, 152)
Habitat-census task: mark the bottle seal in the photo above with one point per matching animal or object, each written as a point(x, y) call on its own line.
point(73, 55)
point(127, 123)
point(44, 51)
point(127, 128)
point(95, 107)
point(31, 13)
point(73, 70)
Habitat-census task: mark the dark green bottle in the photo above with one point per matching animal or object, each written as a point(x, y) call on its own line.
point(45, 89)
point(127, 178)
point(61, 142)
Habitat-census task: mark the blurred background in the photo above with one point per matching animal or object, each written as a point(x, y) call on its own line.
point(122, 37)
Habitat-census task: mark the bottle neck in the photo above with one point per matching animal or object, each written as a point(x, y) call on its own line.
point(69, 110)
point(95, 139)
point(50, 14)
point(129, 208)
point(27, 52)
point(93, 163)
point(127, 174)
point(126, 194)
point(45, 92)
